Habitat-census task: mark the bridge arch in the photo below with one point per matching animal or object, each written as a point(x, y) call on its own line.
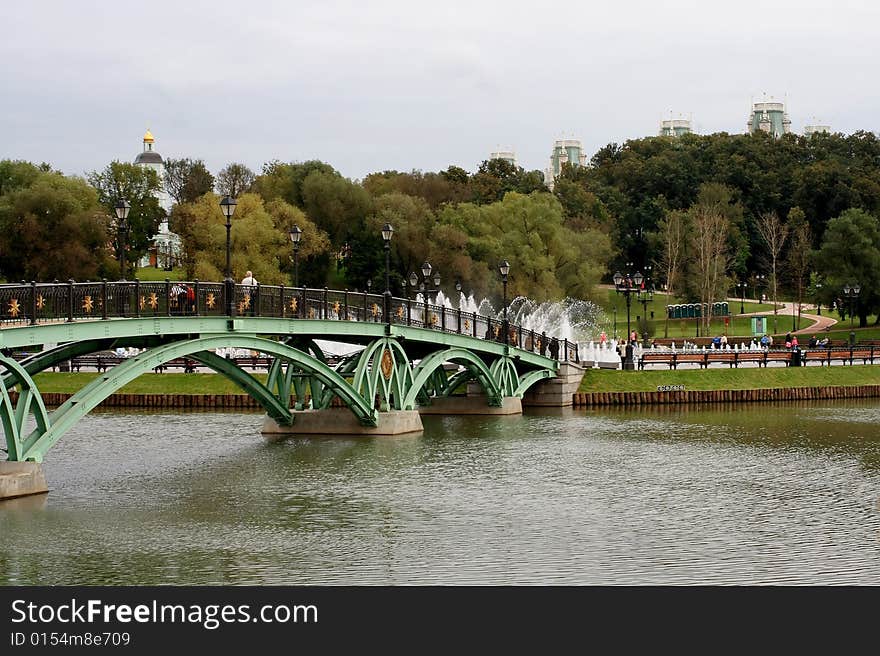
point(423, 372)
point(14, 416)
point(35, 445)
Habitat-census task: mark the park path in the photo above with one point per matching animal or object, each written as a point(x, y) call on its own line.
point(786, 311)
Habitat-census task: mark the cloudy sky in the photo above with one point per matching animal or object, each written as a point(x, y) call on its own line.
point(382, 84)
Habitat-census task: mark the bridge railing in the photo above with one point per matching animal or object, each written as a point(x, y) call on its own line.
point(32, 303)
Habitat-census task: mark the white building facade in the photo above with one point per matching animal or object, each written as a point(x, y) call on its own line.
point(165, 250)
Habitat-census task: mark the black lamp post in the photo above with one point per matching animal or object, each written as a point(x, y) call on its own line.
point(414, 283)
point(122, 208)
point(645, 296)
point(851, 293)
point(741, 286)
point(423, 287)
point(504, 270)
point(759, 282)
point(387, 233)
point(626, 285)
point(228, 206)
point(819, 298)
point(295, 237)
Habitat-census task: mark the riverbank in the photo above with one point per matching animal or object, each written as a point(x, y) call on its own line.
point(720, 379)
point(599, 387)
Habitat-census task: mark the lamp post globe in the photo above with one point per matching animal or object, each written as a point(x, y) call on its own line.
point(227, 206)
point(295, 238)
point(122, 208)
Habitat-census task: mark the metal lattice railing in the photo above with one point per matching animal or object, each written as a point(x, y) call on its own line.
point(35, 303)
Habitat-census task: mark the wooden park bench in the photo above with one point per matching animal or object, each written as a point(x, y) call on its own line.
point(656, 357)
point(93, 361)
point(865, 354)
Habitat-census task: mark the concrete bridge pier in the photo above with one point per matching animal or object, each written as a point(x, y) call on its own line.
point(476, 403)
point(341, 421)
point(556, 392)
point(19, 479)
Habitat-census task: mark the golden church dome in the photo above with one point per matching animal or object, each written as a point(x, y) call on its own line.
point(148, 137)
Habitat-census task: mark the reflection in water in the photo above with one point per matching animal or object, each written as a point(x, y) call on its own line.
point(666, 495)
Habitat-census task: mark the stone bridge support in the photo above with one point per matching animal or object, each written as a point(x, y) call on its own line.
point(556, 392)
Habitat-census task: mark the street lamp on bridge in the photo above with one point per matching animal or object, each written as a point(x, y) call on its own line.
point(295, 237)
point(122, 208)
point(627, 284)
point(227, 205)
point(504, 270)
point(387, 233)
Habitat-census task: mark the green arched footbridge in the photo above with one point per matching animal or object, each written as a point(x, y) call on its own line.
point(412, 352)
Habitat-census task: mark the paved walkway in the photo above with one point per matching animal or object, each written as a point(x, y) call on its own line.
point(786, 311)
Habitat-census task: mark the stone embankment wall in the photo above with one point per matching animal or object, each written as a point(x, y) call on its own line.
point(583, 399)
point(169, 401)
point(579, 399)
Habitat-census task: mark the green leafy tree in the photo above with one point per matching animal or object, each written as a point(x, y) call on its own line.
point(548, 260)
point(186, 179)
point(17, 174)
point(336, 205)
point(53, 228)
point(849, 254)
point(258, 237)
point(141, 187)
point(285, 181)
point(234, 180)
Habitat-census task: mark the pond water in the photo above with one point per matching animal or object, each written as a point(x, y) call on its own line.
point(758, 494)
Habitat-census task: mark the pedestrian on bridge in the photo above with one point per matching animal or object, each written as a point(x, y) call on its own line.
point(250, 282)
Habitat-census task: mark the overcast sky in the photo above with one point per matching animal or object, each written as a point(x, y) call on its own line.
point(375, 85)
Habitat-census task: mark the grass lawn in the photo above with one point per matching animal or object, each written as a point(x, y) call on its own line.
point(158, 274)
point(678, 328)
point(595, 380)
point(604, 380)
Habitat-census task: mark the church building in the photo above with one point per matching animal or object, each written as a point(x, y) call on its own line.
point(165, 251)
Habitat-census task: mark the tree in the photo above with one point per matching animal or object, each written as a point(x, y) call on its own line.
point(799, 253)
point(54, 228)
point(17, 174)
point(259, 239)
point(285, 181)
point(234, 180)
point(550, 261)
point(673, 234)
point(849, 255)
point(709, 246)
point(187, 179)
point(138, 185)
point(774, 233)
point(336, 205)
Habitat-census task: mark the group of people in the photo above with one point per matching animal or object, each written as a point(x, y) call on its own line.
point(182, 299)
point(791, 342)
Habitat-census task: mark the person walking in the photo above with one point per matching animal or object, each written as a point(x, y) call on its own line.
point(249, 294)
